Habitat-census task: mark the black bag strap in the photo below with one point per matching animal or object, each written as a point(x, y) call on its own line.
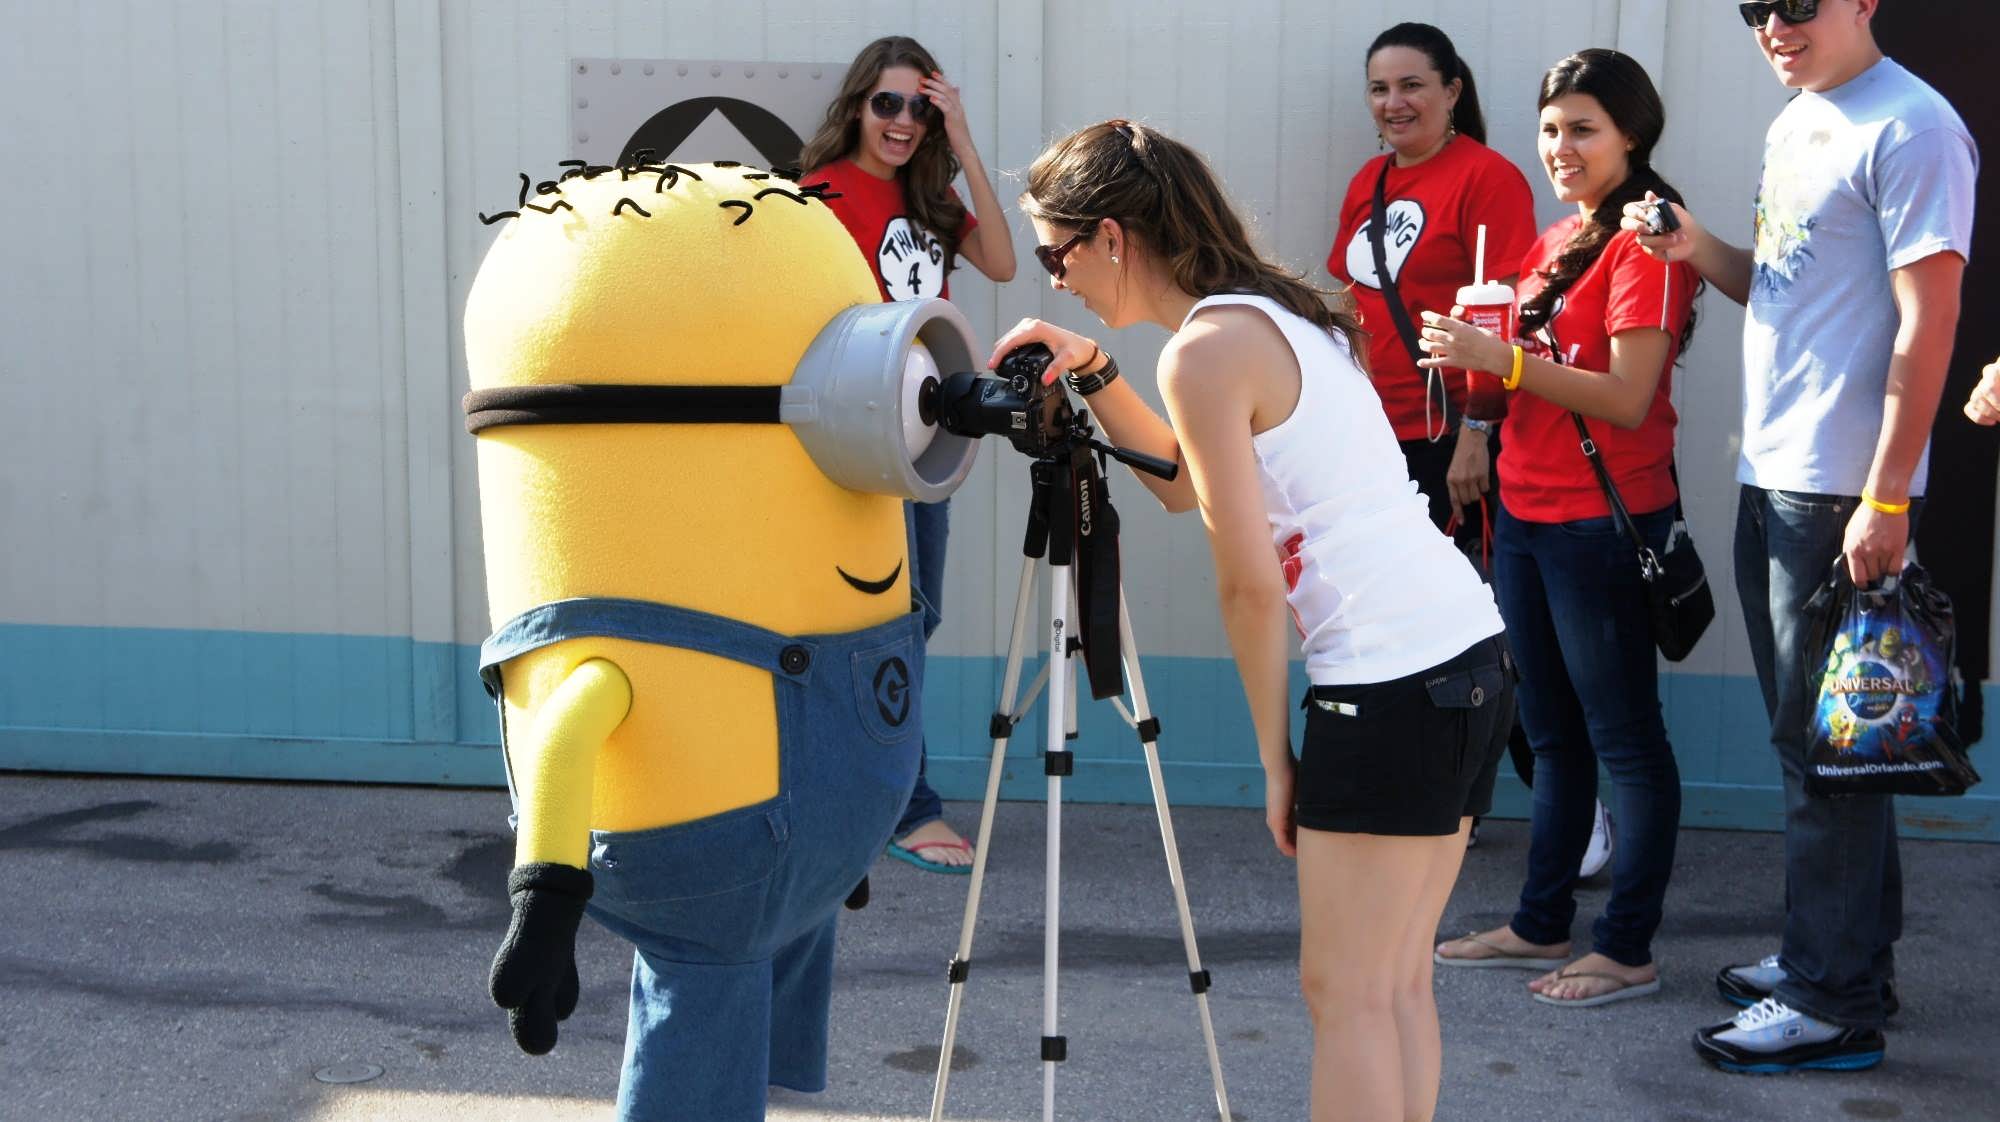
point(1379, 220)
point(1649, 564)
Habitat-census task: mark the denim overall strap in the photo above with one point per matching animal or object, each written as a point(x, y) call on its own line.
point(647, 622)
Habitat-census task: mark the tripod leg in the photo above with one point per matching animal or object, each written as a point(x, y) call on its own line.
point(1002, 729)
point(1057, 764)
point(1149, 731)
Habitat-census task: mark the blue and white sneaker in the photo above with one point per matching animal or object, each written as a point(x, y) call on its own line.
point(1771, 1037)
point(1751, 983)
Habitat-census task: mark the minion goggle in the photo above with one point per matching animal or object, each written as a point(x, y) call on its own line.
point(854, 401)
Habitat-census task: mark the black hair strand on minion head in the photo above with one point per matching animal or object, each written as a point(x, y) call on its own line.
point(490, 219)
point(559, 204)
point(547, 187)
point(625, 202)
point(783, 194)
point(575, 167)
point(748, 210)
point(525, 184)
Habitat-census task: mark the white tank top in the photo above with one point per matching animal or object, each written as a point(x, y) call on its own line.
point(1377, 593)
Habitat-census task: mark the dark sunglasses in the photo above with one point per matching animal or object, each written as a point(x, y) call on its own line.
point(1795, 11)
point(888, 103)
point(1051, 256)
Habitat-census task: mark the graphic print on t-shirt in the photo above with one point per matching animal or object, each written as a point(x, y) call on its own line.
point(910, 260)
point(1406, 225)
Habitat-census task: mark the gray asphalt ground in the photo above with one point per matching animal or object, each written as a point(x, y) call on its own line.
point(176, 949)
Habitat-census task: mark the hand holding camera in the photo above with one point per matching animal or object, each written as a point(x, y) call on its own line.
point(1666, 231)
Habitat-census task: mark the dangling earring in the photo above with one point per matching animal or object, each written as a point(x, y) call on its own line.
point(1381, 142)
point(1450, 124)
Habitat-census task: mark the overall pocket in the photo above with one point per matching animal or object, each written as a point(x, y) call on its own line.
point(702, 887)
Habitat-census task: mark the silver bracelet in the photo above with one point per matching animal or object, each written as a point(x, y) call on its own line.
point(1083, 385)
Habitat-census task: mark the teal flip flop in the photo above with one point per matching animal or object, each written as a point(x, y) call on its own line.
point(929, 866)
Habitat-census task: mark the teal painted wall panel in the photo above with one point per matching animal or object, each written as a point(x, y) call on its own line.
point(389, 710)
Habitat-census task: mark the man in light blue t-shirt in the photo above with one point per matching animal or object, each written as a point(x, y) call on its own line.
point(1863, 227)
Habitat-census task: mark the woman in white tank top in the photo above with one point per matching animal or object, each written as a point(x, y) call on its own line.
point(1308, 507)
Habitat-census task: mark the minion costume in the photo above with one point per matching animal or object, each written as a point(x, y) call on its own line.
point(695, 431)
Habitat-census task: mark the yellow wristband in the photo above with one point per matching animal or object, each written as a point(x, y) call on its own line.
point(1513, 380)
point(1886, 508)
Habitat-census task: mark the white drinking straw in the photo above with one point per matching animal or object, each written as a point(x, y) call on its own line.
point(1479, 258)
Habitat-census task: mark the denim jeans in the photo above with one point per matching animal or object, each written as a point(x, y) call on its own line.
point(1579, 623)
point(734, 915)
point(929, 527)
point(1843, 876)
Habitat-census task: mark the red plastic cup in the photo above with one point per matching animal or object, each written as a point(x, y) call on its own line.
point(1489, 307)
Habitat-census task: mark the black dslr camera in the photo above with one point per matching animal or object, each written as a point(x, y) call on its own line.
point(1034, 416)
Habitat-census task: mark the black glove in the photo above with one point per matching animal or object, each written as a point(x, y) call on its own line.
point(534, 975)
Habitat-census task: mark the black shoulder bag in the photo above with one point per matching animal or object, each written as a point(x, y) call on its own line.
point(1676, 584)
point(1379, 221)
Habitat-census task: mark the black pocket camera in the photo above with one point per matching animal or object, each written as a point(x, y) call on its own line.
point(1660, 218)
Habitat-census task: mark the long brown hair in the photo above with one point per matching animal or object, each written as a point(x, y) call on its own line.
point(1619, 84)
point(927, 177)
point(1164, 194)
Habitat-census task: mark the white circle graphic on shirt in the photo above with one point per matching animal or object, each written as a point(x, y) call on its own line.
point(1405, 226)
point(910, 260)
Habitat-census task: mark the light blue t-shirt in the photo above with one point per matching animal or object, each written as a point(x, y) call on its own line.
point(1868, 177)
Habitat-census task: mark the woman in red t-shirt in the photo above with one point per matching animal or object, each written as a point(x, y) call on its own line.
point(1440, 183)
point(1601, 326)
point(890, 167)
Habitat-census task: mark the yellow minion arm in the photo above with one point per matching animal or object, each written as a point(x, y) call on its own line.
point(555, 763)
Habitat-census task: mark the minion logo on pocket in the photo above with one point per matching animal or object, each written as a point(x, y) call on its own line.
point(892, 691)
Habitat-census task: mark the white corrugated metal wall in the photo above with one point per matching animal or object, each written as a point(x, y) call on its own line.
point(242, 529)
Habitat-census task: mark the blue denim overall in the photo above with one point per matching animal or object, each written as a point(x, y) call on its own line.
point(733, 915)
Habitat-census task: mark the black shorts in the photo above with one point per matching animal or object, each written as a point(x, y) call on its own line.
point(1411, 756)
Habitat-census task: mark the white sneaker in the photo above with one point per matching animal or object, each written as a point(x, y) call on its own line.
point(1771, 1037)
point(1602, 842)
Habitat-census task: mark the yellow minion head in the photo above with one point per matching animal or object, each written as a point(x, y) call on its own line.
point(699, 276)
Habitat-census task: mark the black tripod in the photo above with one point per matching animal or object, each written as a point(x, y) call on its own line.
point(1071, 519)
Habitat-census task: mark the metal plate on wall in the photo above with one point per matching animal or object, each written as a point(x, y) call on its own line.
point(697, 110)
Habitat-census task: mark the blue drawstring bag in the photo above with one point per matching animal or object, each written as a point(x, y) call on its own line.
point(1885, 719)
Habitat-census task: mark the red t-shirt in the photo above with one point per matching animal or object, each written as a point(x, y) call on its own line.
point(1544, 476)
point(1435, 211)
point(908, 260)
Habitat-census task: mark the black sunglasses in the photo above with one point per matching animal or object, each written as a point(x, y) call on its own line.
point(1051, 256)
point(1758, 14)
point(887, 103)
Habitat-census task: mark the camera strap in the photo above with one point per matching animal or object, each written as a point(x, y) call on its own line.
point(1097, 577)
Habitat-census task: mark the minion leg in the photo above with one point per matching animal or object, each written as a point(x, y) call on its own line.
point(557, 760)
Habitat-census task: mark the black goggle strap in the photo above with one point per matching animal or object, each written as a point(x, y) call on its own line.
point(598, 404)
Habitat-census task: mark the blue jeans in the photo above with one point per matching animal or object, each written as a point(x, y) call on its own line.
point(1843, 876)
point(929, 526)
point(1582, 633)
point(734, 915)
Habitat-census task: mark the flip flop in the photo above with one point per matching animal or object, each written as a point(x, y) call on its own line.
point(913, 857)
point(1625, 991)
point(1500, 959)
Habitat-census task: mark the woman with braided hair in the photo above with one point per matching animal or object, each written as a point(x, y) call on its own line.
point(1601, 325)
